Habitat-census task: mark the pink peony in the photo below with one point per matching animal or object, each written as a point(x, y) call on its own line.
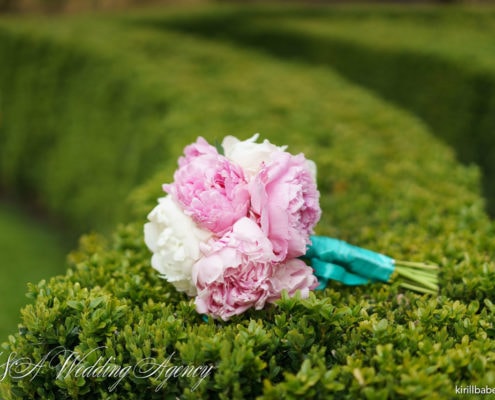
point(233, 225)
point(285, 199)
point(235, 274)
point(292, 276)
point(212, 191)
point(200, 148)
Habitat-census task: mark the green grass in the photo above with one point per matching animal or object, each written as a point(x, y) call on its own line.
point(29, 251)
point(387, 183)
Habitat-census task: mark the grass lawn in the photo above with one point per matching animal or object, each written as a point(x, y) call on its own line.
point(29, 251)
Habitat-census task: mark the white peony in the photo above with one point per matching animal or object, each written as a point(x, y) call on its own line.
point(175, 241)
point(248, 154)
point(311, 165)
point(251, 156)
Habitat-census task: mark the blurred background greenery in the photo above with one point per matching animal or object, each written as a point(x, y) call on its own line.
point(98, 5)
point(97, 107)
point(30, 248)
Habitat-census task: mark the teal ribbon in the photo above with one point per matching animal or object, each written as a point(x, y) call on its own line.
point(334, 259)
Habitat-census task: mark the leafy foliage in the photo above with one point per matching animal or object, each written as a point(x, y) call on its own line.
point(34, 251)
point(62, 141)
point(386, 183)
point(398, 53)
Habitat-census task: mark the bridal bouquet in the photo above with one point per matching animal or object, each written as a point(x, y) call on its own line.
point(234, 223)
point(237, 222)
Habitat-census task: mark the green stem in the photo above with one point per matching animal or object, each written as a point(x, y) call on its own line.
point(423, 275)
point(420, 277)
point(417, 288)
point(418, 265)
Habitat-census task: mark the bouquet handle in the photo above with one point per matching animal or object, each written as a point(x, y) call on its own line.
point(334, 259)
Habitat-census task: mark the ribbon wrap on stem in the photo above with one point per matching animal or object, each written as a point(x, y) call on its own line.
point(334, 259)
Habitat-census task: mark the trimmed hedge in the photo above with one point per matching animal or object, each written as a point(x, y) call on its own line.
point(77, 132)
point(367, 342)
point(447, 78)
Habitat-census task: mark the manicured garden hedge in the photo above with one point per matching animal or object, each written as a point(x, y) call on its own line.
point(77, 132)
point(386, 183)
point(435, 62)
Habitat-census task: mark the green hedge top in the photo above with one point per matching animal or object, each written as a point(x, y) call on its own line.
point(435, 62)
point(386, 183)
point(78, 131)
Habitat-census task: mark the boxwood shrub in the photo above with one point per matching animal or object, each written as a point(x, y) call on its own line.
point(395, 51)
point(76, 130)
point(386, 183)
